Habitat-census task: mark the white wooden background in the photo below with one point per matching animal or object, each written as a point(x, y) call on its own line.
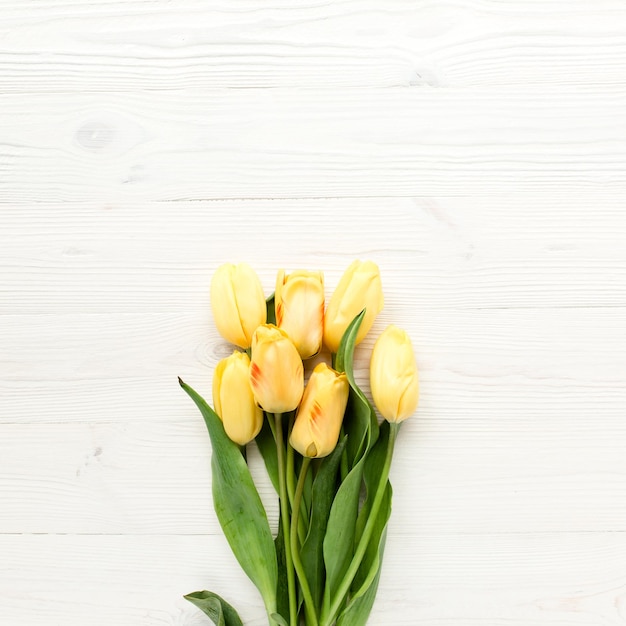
point(475, 149)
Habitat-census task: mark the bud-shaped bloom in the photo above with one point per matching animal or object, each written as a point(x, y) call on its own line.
point(393, 375)
point(359, 288)
point(233, 399)
point(316, 429)
point(276, 370)
point(299, 299)
point(238, 303)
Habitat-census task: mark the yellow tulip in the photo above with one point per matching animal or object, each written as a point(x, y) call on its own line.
point(393, 375)
point(238, 303)
point(359, 288)
point(299, 299)
point(316, 429)
point(276, 370)
point(233, 399)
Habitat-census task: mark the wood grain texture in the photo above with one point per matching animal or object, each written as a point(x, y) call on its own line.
point(449, 477)
point(475, 150)
point(530, 251)
point(52, 46)
point(540, 579)
point(287, 143)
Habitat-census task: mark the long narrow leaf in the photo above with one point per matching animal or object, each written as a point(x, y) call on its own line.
point(338, 545)
point(357, 426)
point(361, 426)
point(220, 612)
point(372, 560)
point(271, 310)
point(371, 476)
point(238, 506)
point(359, 610)
point(360, 422)
point(339, 539)
point(282, 586)
point(322, 495)
point(267, 448)
point(363, 588)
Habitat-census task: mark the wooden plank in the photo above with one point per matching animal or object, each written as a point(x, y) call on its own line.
point(112, 46)
point(504, 470)
point(289, 143)
point(474, 365)
point(488, 344)
point(560, 579)
point(558, 249)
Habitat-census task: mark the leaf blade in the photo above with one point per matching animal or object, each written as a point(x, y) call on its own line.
point(322, 494)
point(220, 611)
point(360, 422)
point(238, 506)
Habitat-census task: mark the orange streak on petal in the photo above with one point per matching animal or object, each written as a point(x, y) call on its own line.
point(255, 375)
point(316, 412)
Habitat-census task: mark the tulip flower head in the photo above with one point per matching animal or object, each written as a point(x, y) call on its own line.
point(299, 299)
point(238, 303)
point(233, 399)
point(276, 370)
point(267, 376)
point(359, 288)
point(393, 375)
point(318, 421)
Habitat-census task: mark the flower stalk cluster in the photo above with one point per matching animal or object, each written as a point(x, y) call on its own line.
point(323, 443)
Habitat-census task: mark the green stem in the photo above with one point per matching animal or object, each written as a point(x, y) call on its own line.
point(284, 513)
point(359, 553)
point(291, 472)
point(309, 605)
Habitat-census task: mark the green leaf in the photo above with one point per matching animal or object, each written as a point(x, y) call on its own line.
point(282, 586)
point(358, 611)
point(271, 310)
point(345, 353)
point(267, 448)
point(361, 426)
point(238, 507)
point(365, 584)
point(372, 559)
point(358, 426)
point(323, 492)
point(339, 540)
point(279, 619)
point(371, 476)
point(307, 495)
point(360, 421)
point(220, 612)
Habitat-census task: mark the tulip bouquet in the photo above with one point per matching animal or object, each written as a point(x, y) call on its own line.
point(324, 449)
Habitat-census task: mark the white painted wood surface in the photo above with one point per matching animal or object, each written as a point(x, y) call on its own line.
point(475, 150)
